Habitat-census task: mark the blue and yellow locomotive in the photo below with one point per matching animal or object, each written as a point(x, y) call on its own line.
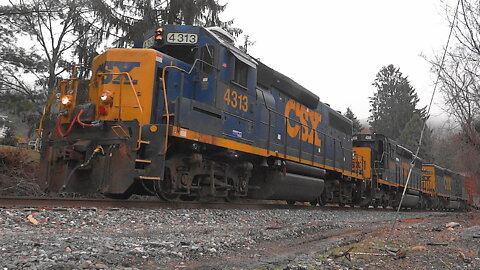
point(191, 116)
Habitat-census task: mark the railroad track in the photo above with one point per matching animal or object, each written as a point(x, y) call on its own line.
point(52, 202)
point(7, 202)
point(67, 202)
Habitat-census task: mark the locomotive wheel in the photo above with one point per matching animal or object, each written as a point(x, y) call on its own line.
point(290, 202)
point(321, 200)
point(384, 204)
point(169, 197)
point(162, 189)
point(123, 196)
point(188, 198)
point(231, 197)
point(314, 202)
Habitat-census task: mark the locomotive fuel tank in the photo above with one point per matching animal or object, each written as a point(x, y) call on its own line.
point(410, 200)
point(288, 186)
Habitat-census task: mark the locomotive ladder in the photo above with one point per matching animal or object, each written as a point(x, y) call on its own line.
point(162, 153)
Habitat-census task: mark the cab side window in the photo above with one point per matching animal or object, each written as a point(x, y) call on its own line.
point(207, 56)
point(241, 73)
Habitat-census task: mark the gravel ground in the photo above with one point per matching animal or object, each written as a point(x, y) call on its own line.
point(91, 238)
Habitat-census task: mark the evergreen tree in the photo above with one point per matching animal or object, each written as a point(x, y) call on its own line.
point(394, 103)
point(61, 29)
point(87, 25)
point(411, 134)
point(128, 20)
point(357, 127)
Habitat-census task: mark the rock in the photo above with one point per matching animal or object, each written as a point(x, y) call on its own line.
point(464, 258)
point(32, 220)
point(419, 248)
point(401, 254)
point(100, 266)
point(452, 224)
point(138, 249)
point(392, 249)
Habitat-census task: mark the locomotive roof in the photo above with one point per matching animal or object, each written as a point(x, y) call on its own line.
point(434, 165)
point(445, 170)
point(224, 38)
point(268, 77)
point(381, 137)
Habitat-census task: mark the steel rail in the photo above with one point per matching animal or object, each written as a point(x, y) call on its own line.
point(65, 202)
point(7, 202)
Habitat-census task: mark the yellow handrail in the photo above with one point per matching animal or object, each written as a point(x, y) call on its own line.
point(52, 97)
point(164, 86)
point(45, 112)
point(121, 83)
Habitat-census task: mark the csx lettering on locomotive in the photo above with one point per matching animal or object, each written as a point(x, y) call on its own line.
point(304, 116)
point(117, 67)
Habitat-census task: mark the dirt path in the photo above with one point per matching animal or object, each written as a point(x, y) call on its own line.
point(418, 243)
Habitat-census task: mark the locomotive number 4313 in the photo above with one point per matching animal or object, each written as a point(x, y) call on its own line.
point(182, 38)
point(235, 100)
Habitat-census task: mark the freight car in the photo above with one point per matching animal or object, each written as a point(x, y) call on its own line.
point(191, 117)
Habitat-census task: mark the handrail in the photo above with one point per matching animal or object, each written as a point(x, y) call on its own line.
point(164, 88)
point(121, 84)
point(52, 98)
point(165, 98)
point(46, 111)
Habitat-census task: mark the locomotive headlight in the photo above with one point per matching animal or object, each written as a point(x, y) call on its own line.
point(159, 33)
point(106, 97)
point(66, 100)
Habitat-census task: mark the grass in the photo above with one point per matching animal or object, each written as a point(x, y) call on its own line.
point(364, 246)
point(30, 155)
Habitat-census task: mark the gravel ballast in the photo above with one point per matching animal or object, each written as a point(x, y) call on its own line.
point(90, 238)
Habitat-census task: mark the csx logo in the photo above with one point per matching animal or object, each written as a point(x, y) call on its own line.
point(116, 67)
point(294, 111)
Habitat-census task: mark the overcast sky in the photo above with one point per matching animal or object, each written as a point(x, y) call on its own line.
point(335, 48)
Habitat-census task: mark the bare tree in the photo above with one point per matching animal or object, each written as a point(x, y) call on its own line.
point(43, 35)
point(63, 31)
point(459, 78)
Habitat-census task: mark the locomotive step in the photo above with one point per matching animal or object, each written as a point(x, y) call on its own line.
point(147, 161)
point(149, 177)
